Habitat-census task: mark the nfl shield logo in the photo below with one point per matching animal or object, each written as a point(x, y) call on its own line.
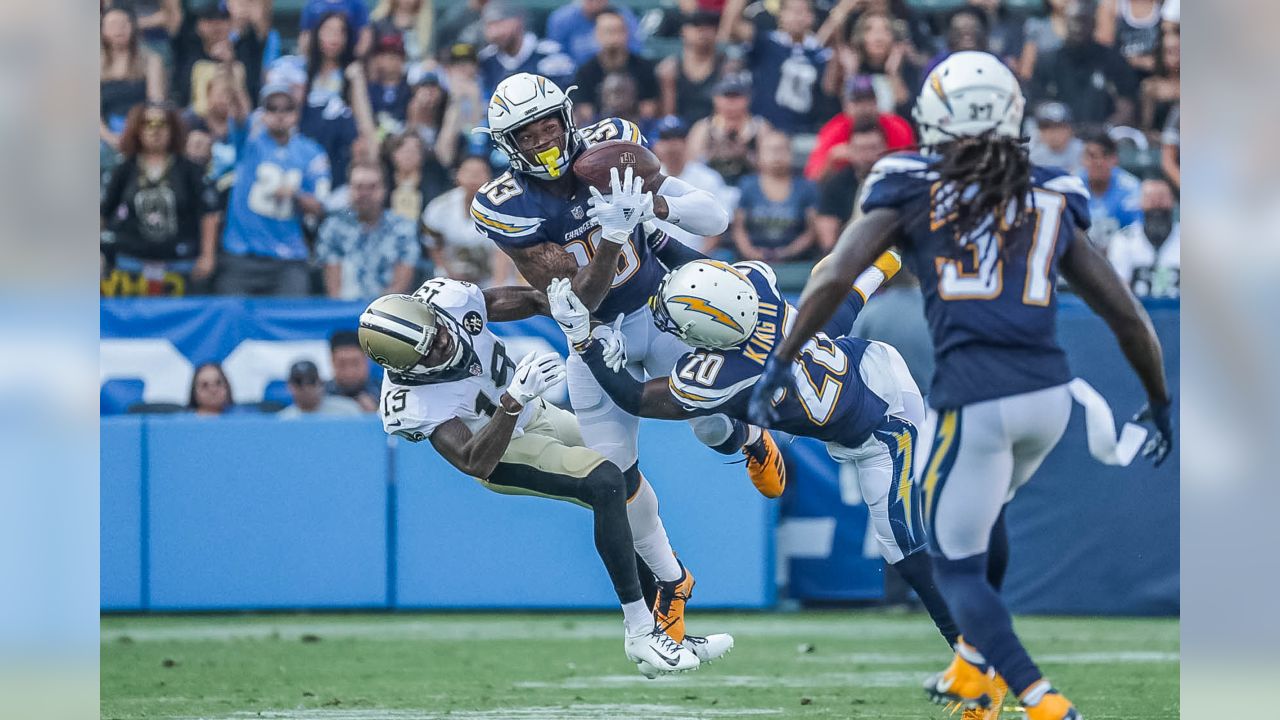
point(627, 158)
point(576, 212)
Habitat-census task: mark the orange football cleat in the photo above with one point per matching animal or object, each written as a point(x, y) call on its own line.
point(668, 606)
point(1042, 702)
point(997, 703)
point(765, 466)
point(963, 684)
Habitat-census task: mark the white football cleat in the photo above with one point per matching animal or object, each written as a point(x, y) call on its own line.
point(711, 647)
point(656, 654)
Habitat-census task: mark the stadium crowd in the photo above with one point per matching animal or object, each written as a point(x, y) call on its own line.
point(324, 147)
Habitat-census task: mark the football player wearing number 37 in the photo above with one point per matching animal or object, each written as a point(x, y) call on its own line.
point(560, 215)
point(449, 381)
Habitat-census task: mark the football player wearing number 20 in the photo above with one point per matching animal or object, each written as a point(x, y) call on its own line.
point(987, 233)
point(553, 226)
point(449, 381)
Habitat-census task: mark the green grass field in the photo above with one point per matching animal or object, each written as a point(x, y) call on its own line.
point(838, 664)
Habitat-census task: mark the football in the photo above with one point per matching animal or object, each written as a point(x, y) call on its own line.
point(592, 166)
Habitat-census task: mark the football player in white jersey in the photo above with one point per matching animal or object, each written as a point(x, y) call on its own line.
point(449, 381)
point(554, 226)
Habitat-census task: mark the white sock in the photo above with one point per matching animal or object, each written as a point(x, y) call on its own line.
point(649, 536)
point(1034, 694)
point(637, 619)
point(753, 434)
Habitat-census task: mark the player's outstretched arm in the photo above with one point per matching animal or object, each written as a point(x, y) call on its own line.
point(514, 302)
point(652, 399)
point(691, 208)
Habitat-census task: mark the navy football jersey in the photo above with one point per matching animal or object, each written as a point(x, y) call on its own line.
point(829, 401)
point(517, 212)
point(991, 312)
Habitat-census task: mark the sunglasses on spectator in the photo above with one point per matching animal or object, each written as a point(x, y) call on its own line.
point(155, 123)
point(280, 107)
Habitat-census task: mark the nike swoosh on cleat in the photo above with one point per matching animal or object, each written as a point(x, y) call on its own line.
point(669, 660)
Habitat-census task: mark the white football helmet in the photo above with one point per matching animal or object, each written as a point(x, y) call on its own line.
point(707, 304)
point(520, 100)
point(970, 93)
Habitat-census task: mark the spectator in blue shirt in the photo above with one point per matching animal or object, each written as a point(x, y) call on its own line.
point(356, 12)
point(1115, 194)
point(513, 49)
point(573, 27)
point(776, 212)
point(787, 66)
point(367, 251)
point(389, 92)
point(280, 177)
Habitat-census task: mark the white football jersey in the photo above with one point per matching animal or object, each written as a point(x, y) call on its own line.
point(415, 411)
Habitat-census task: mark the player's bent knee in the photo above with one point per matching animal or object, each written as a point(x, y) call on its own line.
point(605, 485)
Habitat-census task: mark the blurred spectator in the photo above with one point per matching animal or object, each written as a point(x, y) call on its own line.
point(895, 315)
point(1171, 15)
point(513, 49)
point(1056, 144)
point(1113, 191)
point(575, 27)
point(225, 122)
point(368, 250)
point(786, 66)
point(672, 148)
point(966, 30)
point(1146, 253)
point(413, 174)
point(309, 396)
point(912, 29)
point(388, 91)
point(336, 121)
point(726, 141)
point(879, 52)
point(198, 148)
point(1005, 38)
point(351, 376)
point(1133, 28)
point(355, 12)
point(254, 16)
point(620, 97)
point(613, 57)
point(327, 60)
point(211, 50)
point(1161, 92)
point(1044, 34)
point(459, 250)
point(1091, 79)
point(686, 80)
point(280, 177)
point(464, 110)
point(774, 221)
point(157, 22)
point(130, 74)
point(859, 105)
point(838, 191)
point(411, 21)
point(1170, 147)
point(157, 207)
point(210, 394)
point(428, 114)
point(460, 22)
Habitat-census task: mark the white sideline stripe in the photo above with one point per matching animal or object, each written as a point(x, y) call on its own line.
point(708, 680)
point(576, 712)
point(1080, 658)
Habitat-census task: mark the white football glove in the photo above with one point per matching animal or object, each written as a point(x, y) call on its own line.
point(614, 342)
point(569, 311)
point(535, 374)
point(624, 209)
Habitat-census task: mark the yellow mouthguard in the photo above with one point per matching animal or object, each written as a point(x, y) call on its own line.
point(548, 159)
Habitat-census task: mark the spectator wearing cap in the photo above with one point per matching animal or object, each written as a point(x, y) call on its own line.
point(459, 22)
point(966, 30)
point(613, 57)
point(727, 140)
point(280, 177)
point(860, 104)
point(389, 92)
point(1114, 193)
point(787, 66)
point(309, 396)
point(1090, 78)
point(1146, 253)
point(351, 375)
point(459, 250)
point(130, 74)
point(1056, 144)
point(367, 250)
point(411, 20)
point(574, 27)
point(215, 50)
point(775, 218)
point(686, 81)
point(356, 13)
point(514, 49)
point(838, 191)
point(672, 148)
point(880, 50)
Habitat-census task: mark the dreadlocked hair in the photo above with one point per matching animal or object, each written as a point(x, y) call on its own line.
point(984, 180)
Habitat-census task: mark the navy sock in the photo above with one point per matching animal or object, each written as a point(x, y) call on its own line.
point(737, 438)
point(917, 570)
point(984, 620)
point(998, 552)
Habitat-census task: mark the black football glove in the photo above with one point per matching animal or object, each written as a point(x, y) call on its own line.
point(1160, 442)
point(776, 376)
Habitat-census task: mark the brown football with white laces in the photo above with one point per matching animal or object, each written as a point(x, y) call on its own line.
point(592, 166)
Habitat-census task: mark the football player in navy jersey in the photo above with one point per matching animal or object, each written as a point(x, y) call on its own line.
point(856, 395)
point(553, 226)
point(987, 233)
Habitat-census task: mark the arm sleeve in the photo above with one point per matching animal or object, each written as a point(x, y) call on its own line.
point(692, 209)
point(670, 251)
point(624, 390)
